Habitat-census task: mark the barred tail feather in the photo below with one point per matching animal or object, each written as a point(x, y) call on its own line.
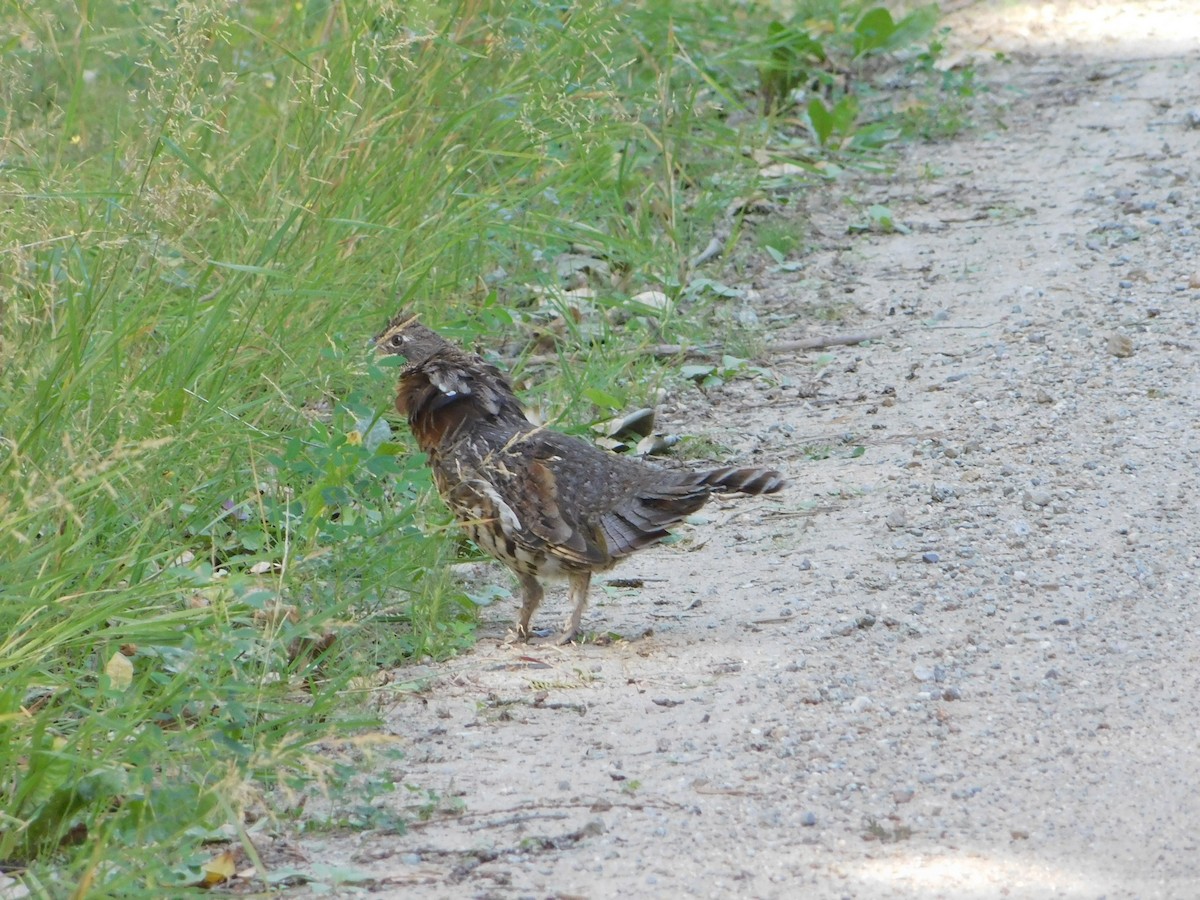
point(750, 480)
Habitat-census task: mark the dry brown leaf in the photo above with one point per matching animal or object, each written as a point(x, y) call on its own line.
point(782, 170)
point(219, 869)
point(276, 613)
point(119, 671)
point(655, 300)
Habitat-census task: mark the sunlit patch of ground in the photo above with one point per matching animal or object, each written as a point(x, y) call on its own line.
point(968, 876)
point(1105, 28)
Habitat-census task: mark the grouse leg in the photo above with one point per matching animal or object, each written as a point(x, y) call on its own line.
point(531, 599)
point(577, 592)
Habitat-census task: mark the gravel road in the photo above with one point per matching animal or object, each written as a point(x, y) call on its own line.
point(961, 664)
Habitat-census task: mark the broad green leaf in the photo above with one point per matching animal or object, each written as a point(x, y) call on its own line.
point(602, 398)
point(696, 372)
point(844, 114)
point(873, 31)
point(821, 120)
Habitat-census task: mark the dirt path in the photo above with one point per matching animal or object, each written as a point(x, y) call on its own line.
point(963, 664)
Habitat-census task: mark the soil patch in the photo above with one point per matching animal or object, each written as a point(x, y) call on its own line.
point(961, 663)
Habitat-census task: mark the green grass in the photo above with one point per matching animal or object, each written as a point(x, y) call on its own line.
point(207, 532)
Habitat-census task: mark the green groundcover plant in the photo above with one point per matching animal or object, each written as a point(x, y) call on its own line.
point(210, 534)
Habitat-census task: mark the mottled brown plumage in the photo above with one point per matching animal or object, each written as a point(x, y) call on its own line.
point(541, 502)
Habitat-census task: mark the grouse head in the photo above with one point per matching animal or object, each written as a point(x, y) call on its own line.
point(405, 336)
point(442, 387)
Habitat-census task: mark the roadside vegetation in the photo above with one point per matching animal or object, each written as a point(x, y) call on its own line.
point(210, 539)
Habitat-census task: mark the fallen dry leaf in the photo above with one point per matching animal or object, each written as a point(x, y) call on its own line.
point(218, 870)
point(119, 671)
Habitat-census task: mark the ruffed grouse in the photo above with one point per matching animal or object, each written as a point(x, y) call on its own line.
point(541, 502)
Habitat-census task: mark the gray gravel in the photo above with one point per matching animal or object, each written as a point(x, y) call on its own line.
point(962, 664)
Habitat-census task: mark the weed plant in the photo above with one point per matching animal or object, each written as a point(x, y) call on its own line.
point(208, 530)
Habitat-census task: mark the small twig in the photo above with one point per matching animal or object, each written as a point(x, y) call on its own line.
point(830, 340)
point(796, 513)
point(712, 351)
point(960, 327)
point(637, 582)
point(537, 807)
point(814, 343)
point(725, 792)
point(737, 514)
point(517, 820)
point(580, 708)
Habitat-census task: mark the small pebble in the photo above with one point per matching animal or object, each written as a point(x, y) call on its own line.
point(808, 820)
point(941, 493)
point(1120, 345)
point(1038, 497)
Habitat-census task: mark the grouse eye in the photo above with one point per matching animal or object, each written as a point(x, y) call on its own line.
point(397, 340)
